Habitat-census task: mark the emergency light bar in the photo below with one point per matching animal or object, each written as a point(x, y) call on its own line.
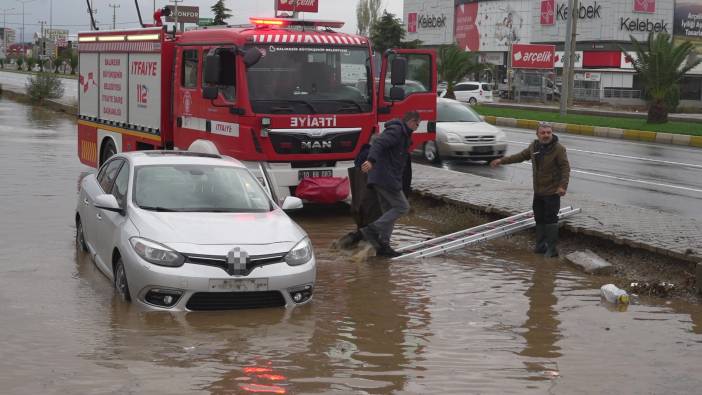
point(264, 22)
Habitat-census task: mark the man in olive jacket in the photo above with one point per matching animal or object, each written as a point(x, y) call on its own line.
point(551, 173)
point(385, 165)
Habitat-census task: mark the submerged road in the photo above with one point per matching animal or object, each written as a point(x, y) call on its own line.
point(649, 175)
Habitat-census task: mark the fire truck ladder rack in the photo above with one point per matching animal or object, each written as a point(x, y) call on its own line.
point(489, 231)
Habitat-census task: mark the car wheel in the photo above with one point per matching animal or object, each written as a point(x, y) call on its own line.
point(80, 237)
point(107, 152)
point(431, 152)
point(121, 284)
point(472, 101)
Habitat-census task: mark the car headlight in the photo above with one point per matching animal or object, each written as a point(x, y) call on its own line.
point(300, 254)
point(453, 138)
point(501, 136)
point(156, 253)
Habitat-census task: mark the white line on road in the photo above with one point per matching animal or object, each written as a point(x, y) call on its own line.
point(623, 156)
point(634, 180)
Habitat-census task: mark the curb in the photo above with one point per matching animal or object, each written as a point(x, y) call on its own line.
point(51, 104)
point(601, 131)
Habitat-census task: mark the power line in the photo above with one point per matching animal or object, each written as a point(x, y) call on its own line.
point(114, 15)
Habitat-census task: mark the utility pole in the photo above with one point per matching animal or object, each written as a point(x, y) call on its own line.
point(175, 11)
point(114, 15)
point(569, 58)
point(42, 46)
point(23, 2)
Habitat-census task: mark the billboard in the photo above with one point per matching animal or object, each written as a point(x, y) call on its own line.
point(186, 14)
point(492, 25)
point(531, 56)
point(430, 21)
point(298, 5)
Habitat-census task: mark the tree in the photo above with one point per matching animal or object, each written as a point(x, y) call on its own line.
point(221, 12)
point(20, 62)
point(387, 32)
point(453, 64)
point(366, 15)
point(44, 86)
point(73, 62)
point(661, 66)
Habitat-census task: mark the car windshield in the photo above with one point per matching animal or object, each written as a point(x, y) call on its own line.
point(298, 79)
point(455, 112)
point(198, 188)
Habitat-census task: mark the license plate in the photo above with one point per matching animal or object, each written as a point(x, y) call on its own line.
point(239, 284)
point(482, 149)
point(313, 173)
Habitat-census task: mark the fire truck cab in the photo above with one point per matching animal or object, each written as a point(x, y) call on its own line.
point(291, 99)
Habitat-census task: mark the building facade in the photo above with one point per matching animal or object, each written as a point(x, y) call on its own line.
point(604, 31)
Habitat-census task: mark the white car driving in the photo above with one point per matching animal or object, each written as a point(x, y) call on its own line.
point(177, 230)
point(461, 133)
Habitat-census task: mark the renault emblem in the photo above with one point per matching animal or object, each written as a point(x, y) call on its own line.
point(236, 261)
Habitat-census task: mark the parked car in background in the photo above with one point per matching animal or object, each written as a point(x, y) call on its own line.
point(178, 230)
point(461, 133)
point(472, 92)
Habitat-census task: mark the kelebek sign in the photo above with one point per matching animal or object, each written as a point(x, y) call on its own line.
point(298, 5)
point(530, 56)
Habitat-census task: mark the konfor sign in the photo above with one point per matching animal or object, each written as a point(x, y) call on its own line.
point(298, 5)
point(530, 56)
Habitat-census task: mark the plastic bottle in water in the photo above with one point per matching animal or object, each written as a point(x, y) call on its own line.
point(614, 295)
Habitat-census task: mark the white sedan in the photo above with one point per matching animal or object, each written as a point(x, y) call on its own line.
point(461, 133)
point(179, 230)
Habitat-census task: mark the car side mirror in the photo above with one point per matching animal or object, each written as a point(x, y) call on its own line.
point(212, 69)
point(252, 56)
point(292, 203)
point(210, 92)
point(397, 93)
point(398, 71)
point(107, 202)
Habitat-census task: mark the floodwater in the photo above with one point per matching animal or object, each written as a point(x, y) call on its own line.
point(495, 319)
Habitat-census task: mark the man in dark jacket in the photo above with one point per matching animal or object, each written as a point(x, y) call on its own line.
point(385, 166)
point(551, 173)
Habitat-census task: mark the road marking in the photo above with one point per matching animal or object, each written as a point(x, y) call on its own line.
point(623, 156)
point(658, 184)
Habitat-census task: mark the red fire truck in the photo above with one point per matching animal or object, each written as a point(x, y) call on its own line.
point(293, 99)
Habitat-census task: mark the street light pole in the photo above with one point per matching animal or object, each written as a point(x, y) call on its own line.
point(114, 15)
point(23, 2)
point(175, 11)
point(569, 57)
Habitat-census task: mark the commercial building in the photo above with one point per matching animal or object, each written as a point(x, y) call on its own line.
point(604, 30)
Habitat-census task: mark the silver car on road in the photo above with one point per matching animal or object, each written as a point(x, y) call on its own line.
point(178, 230)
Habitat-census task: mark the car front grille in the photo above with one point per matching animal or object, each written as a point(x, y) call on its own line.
point(295, 143)
point(220, 261)
point(208, 301)
point(479, 139)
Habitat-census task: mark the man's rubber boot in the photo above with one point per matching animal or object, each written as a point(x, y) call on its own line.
point(540, 246)
point(350, 240)
point(551, 236)
point(387, 252)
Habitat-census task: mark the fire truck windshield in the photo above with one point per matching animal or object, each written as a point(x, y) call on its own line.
point(298, 79)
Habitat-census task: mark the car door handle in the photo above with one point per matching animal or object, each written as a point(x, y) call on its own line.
point(99, 217)
point(85, 202)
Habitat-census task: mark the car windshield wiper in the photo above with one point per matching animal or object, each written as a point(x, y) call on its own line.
point(297, 101)
point(158, 208)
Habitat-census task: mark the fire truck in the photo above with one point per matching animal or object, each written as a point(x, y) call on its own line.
point(292, 99)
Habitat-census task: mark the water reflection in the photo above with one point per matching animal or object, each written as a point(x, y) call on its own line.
point(542, 323)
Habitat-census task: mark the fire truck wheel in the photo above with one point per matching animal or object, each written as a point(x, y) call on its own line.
point(108, 150)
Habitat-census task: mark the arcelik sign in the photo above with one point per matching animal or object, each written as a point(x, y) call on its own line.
point(531, 56)
point(298, 5)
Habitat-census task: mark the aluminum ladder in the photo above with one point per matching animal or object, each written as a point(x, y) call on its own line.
point(492, 230)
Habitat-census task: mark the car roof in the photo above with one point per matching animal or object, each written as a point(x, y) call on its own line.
point(144, 158)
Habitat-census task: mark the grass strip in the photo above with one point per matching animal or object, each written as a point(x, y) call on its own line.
point(673, 127)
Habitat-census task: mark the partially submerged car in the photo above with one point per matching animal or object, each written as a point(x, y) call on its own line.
point(461, 133)
point(177, 230)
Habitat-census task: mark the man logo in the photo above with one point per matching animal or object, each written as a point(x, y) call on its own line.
point(316, 145)
point(236, 261)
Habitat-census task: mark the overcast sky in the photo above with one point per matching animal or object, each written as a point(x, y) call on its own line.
point(72, 14)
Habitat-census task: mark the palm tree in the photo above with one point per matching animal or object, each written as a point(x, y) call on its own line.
point(454, 64)
point(661, 65)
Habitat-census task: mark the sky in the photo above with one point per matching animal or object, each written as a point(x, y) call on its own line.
point(73, 15)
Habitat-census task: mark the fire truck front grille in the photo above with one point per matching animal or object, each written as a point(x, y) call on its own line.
point(291, 143)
